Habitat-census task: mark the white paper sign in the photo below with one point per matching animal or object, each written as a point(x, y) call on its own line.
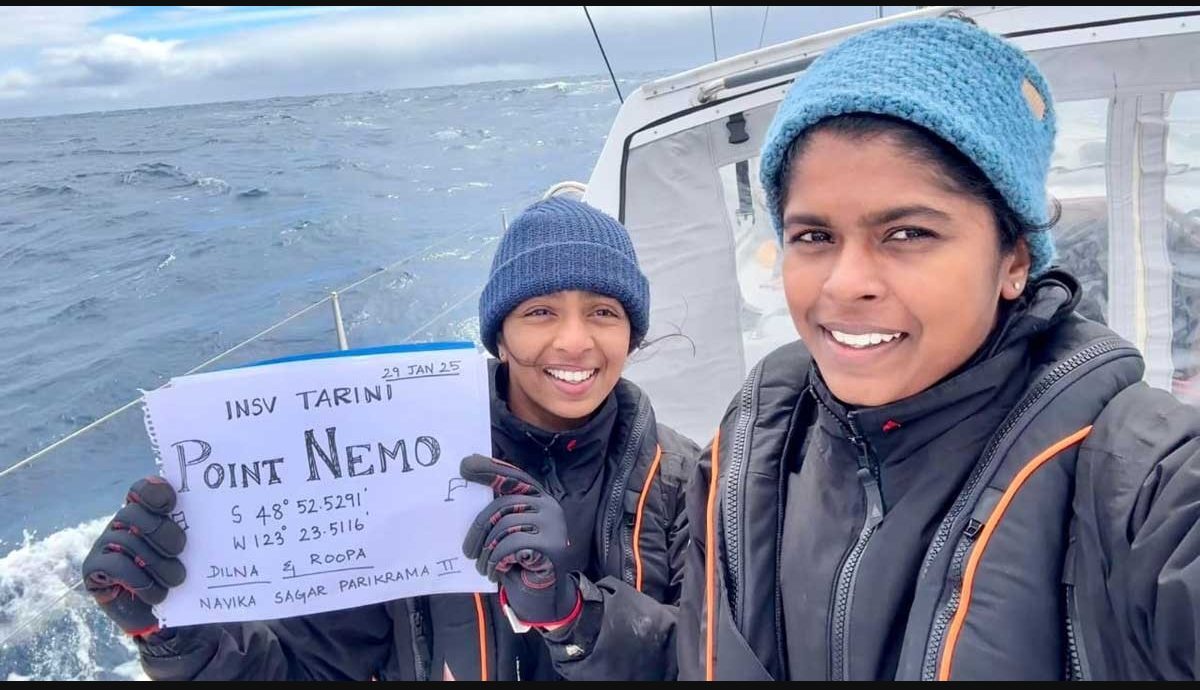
point(322, 483)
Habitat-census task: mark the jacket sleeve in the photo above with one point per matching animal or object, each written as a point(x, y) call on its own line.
point(1138, 501)
point(624, 634)
point(339, 645)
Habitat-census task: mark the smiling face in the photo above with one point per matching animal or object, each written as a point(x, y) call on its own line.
point(893, 277)
point(565, 353)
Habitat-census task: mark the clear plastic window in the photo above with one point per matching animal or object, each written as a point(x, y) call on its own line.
point(1078, 181)
point(1183, 238)
point(765, 321)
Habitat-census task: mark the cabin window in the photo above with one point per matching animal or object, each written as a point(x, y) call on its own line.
point(1182, 189)
point(763, 316)
point(1078, 180)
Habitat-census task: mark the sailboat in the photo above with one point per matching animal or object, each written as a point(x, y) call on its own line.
point(680, 168)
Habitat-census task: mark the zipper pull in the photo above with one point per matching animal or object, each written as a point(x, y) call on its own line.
point(979, 515)
point(868, 476)
point(874, 497)
point(973, 528)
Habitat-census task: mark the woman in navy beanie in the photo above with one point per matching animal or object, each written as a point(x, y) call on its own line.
point(586, 536)
point(952, 475)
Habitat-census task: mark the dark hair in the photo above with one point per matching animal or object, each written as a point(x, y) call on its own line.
point(954, 170)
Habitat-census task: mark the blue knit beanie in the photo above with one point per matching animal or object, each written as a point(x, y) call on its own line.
point(563, 244)
point(976, 91)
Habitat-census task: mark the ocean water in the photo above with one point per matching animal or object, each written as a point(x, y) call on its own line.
point(136, 245)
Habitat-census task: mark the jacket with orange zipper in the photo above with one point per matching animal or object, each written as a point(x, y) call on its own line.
point(1032, 516)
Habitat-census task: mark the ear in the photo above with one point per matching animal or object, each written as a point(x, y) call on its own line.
point(1014, 271)
point(501, 351)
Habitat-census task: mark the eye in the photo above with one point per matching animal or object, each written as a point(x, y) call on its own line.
point(810, 237)
point(607, 312)
point(910, 234)
point(537, 311)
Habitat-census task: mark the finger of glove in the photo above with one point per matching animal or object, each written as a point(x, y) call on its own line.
point(510, 549)
point(154, 493)
point(129, 612)
point(506, 528)
point(502, 477)
point(160, 532)
point(114, 568)
point(487, 518)
point(167, 572)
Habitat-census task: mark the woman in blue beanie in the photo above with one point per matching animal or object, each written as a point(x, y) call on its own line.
point(586, 537)
point(952, 475)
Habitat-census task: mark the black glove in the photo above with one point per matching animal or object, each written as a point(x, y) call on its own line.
point(520, 541)
point(133, 563)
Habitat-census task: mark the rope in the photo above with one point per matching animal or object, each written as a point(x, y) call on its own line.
point(603, 54)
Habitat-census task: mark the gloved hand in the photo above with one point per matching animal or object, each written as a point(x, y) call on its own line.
point(134, 562)
point(520, 541)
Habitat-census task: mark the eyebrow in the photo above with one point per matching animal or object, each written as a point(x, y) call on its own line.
point(806, 219)
point(894, 214)
point(605, 300)
point(890, 215)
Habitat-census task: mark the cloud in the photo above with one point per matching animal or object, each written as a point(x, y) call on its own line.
point(324, 50)
point(115, 59)
point(39, 26)
point(193, 17)
point(15, 83)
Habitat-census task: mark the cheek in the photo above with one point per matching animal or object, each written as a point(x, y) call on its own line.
point(524, 344)
point(529, 379)
point(953, 323)
point(614, 344)
point(800, 288)
point(616, 351)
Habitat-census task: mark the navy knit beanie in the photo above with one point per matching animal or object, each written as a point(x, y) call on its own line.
point(561, 244)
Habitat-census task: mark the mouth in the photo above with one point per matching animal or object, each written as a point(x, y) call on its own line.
point(573, 382)
point(572, 376)
point(861, 345)
point(865, 340)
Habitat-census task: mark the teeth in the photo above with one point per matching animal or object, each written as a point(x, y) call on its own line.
point(864, 339)
point(572, 376)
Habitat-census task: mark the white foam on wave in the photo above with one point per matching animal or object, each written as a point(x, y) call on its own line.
point(57, 633)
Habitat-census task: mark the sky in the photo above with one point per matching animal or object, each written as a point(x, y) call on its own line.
point(57, 60)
